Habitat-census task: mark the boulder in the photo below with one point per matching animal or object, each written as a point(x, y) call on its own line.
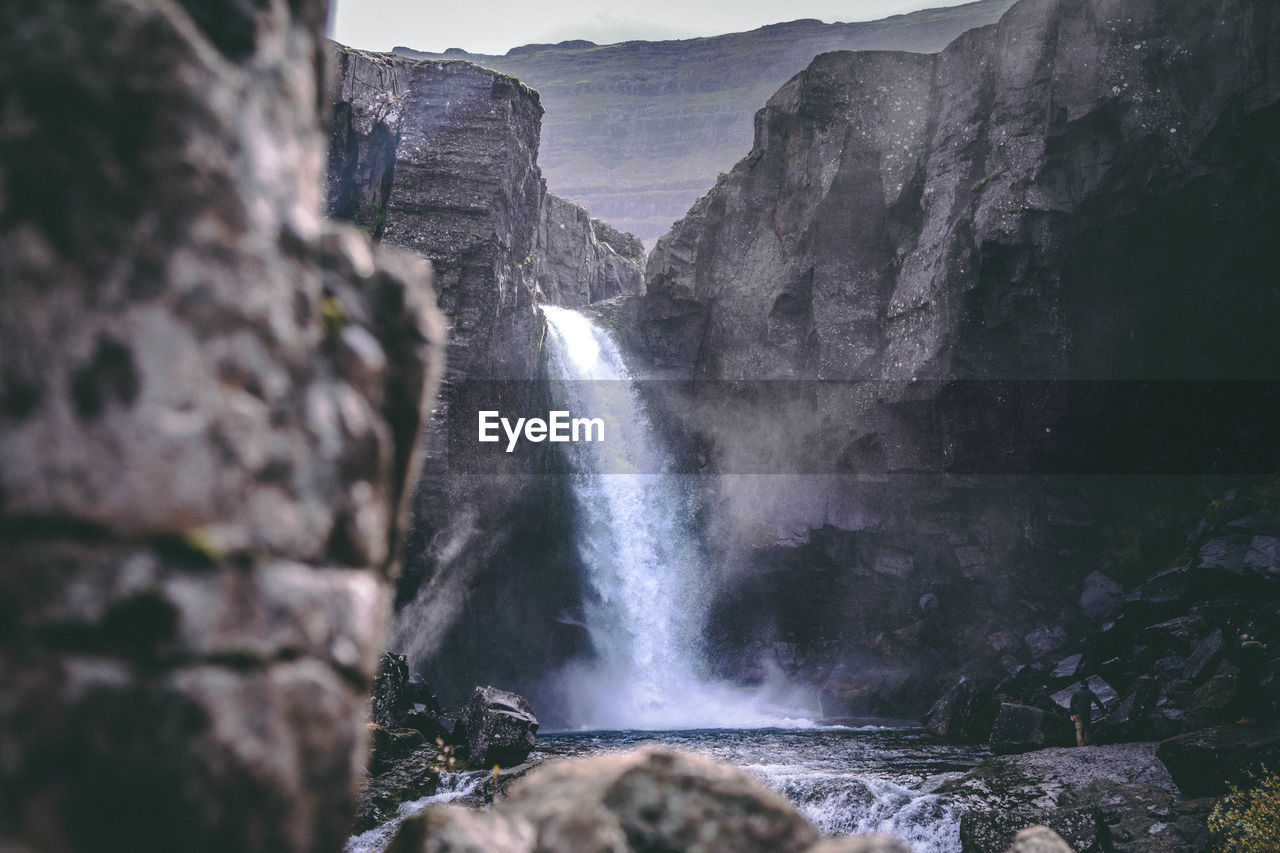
point(413, 776)
point(964, 714)
point(387, 699)
point(1132, 719)
point(1101, 797)
point(650, 799)
point(1161, 597)
point(1022, 728)
point(1101, 598)
point(1215, 702)
point(1039, 839)
point(432, 724)
point(1067, 667)
point(1202, 763)
point(500, 728)
point(1045, 640)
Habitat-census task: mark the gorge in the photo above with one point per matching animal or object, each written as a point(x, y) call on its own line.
point(844, 352)
point(955, 392)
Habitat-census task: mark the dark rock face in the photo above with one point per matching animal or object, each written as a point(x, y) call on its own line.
point(1021, 728)
point(1202, 763)
point(637, 131)
point(579, 260)
point(440, 157)
point(965, 713)
point(500, 728)
point(211, 408)
point(919, 221)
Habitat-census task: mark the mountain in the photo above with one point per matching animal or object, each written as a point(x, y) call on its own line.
point(636, 132)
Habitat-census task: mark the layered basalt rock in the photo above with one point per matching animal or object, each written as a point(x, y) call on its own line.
point(440, 157)
point(579, 260)
point(211, 409)
point(1082, 191)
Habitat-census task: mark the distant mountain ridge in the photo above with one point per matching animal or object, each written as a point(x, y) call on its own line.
point(637, 131)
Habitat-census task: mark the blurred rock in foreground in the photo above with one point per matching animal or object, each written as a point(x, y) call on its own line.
point(209, 407)
point(650, 799)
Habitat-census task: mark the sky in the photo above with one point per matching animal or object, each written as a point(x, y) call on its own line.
point(495, 26)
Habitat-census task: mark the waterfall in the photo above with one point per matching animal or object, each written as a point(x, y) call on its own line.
point(650, 585)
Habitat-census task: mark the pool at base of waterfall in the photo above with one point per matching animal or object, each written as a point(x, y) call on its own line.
point(845, 780)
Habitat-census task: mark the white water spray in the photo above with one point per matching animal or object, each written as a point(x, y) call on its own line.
point(651, 584)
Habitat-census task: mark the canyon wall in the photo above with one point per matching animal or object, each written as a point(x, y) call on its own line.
point(210, 405)
point(1083, 191)
point(440, 157)
point(636, 131)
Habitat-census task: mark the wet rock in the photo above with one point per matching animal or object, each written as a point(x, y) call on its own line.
point(500, 728)
point(212, 408)
point(413, 775)
point(1105, 794)
point(1203, 762)
point(964, 714)
point(1022, 728)
point(1081, 829)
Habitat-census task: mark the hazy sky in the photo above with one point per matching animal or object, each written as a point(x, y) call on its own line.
point(495, 26)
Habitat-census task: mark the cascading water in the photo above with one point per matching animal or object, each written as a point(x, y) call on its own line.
point(651, 585)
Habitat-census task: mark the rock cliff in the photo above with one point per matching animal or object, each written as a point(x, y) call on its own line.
point(1081, 191)
point(636, 131)
point(440, 157)
point(211, 402)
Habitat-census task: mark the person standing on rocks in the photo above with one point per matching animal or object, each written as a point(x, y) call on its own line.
point(1249, 661)
point(1082, 702)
